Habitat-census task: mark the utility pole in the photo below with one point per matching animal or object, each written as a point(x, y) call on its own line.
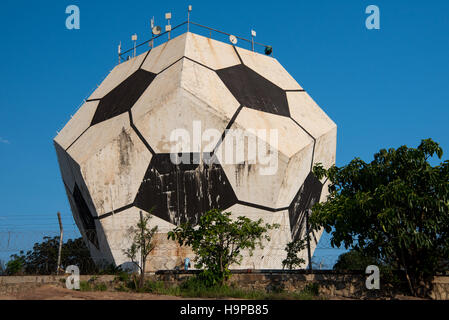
point(61, 233)
point(309, 254)
point(142, 244)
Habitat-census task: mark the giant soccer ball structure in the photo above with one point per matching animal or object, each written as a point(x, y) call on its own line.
point(116, 153)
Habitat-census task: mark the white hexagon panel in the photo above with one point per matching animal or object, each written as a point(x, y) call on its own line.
point(193, 125)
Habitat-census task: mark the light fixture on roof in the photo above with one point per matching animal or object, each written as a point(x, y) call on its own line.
point(268, 50)
point(188, 17)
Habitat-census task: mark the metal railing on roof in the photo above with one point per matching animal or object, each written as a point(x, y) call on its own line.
point(188, 23)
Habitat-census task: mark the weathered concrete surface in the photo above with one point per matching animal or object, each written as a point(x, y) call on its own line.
point(166, 54)
point(117, 76)
point(285, 143)
point(273, 252)
point(167, 254)
point(269, 68)
point(79, 123)
point(117, 180)
point(209, 52)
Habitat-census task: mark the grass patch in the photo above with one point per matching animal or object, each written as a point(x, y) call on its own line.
point(85, 286)
point(89, 286)
point(100, 287)
point(194, 288)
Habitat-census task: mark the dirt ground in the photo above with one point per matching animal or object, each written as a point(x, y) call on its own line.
point(49, 292)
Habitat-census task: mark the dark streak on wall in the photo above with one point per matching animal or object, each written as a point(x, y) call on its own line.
point(86, 217)
point(182, 193)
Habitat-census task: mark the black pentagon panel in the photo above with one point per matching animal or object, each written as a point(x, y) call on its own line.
point(308, 195)
point(86, 217)
point(123, 97)
point(180, 193)
point(254, 91)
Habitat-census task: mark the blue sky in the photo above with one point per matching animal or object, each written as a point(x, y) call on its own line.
point(383, 88)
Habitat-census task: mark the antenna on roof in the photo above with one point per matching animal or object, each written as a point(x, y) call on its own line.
point(119, 53)
point(134, 39)
point(155, 31)
point(152, 33)
point(253, 35)
point(168, 26)
point(188, 17)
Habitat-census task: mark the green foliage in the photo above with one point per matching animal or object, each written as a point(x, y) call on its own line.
point(16, 266)
point(142, 245)
point(218, 242)
point(195, 287)
point(85, 286)
point(92, 286)
point(100, 287)
point(355, 260)
point(43, 258)
point(2, 268)
point(122, 276)
point(293, 248)
point(395, 209)
point(312, 289)
point(155, 287)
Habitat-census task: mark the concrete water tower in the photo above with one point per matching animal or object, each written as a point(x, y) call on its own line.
point(117, 153)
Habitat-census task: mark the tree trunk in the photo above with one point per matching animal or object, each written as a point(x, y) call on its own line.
point(142, 273)
point(409, 281)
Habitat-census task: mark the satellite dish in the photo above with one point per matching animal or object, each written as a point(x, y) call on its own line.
point(156, 30)
point(233, 39)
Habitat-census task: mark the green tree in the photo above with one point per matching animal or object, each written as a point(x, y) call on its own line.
point(2, 268)
point(355, 260)
point(293, 248)
point(395, 209)
point(43, 258)
point(16, 265)
point(142, 245)
point(218, 242)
